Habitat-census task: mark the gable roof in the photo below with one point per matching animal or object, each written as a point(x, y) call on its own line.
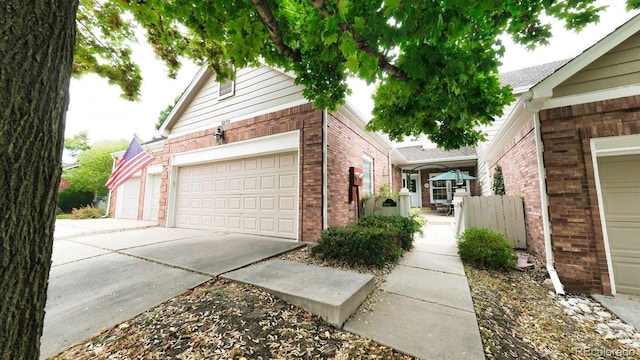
point(543, 90)
point(523, 79)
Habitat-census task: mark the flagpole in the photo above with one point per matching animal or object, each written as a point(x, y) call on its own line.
point(143, 144)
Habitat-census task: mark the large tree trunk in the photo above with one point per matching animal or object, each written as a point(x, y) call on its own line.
point(36, 55)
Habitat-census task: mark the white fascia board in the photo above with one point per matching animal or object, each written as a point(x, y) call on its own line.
point(288, 141)
point(544, 89)
point(154, 169)
point(187, 96)
point(593, 96)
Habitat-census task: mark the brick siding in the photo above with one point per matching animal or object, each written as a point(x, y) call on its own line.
point(519, 161)
point(347, 144)
point(576, 232)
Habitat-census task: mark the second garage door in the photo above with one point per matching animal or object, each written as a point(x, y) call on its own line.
point(257, 195)
point(621, 194)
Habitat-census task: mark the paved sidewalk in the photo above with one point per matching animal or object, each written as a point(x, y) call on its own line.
point(424, 307)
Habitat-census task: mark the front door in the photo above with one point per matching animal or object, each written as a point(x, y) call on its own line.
point(413, 184)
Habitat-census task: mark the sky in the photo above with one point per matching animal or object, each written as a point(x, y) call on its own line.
point(96, 107)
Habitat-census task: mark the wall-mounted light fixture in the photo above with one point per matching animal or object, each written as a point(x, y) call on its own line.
point(219, 136)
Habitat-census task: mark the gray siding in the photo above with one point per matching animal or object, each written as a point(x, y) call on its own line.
point(257, 90)
point(619, 67)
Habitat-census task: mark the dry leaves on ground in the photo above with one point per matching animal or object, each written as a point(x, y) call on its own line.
point(519, 319)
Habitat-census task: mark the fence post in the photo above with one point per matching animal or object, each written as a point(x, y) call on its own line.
point(404, 200)
point(457, 202)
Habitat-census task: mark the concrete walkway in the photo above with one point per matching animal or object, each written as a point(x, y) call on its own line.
point(424, 307)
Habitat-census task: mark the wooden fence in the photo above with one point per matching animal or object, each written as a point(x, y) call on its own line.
point(504, 214)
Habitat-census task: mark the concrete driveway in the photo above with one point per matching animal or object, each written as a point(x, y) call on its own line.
point(105, 271)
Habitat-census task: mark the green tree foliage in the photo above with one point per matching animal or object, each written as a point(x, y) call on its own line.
point(498, 181)
point(435, 62)
point(164, 113)
point(94, 167)
point(77, 144)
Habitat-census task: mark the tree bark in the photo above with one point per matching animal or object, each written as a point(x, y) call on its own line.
point(36, 54)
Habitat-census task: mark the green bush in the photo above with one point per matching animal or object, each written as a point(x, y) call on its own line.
point(69, 199)
point(398, 228)
point(88, 212)
point(357, 245)
point(486, 248)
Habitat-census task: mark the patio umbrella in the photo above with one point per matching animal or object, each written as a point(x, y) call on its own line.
point(451, 175)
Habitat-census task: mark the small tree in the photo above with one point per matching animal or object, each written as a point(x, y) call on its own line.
point(94, 167)
point(498, 181)
point(77, 144)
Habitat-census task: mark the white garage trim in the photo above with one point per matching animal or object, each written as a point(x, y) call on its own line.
point(260, 146)
point(610, 146)
point(154, 169)
point(289, 141)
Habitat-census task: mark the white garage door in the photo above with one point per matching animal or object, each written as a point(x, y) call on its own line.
point(257, 195)
point(620, 184)
point(153, 187)
point(128, 199)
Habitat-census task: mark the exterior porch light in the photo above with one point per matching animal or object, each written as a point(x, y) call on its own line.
point(219, 136)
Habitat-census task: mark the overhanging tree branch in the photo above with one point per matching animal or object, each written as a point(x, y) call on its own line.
point(361, 43)
point(274, 31)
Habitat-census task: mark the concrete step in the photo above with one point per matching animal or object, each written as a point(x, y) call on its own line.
point(330, 293)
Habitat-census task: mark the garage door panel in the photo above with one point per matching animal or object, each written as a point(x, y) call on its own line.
point(287, 181)
point(288, 161)
point(287, 203)
point(251, 165)
point(267, 224)
point(268, 183)
point(621, 203)
point(235, 222)
point(268, 163)
point(256, 195)
point(235, 184)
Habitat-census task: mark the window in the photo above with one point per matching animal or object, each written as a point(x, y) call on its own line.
point(442, 190)
point(227, 88)
point(367, 170)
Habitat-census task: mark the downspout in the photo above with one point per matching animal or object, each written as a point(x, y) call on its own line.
point(546, 225)
point(325, 185)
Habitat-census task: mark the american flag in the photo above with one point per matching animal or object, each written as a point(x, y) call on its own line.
point(133, 160)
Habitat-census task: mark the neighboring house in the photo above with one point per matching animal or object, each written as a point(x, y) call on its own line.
point(414, 165)
point(570, 145)
point(64, 183)
point(280, 169)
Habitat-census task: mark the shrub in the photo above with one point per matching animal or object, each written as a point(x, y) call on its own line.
point(88, 212)
point(357, 245)
point(69, 199)
point(399, 228)
point(486, 248)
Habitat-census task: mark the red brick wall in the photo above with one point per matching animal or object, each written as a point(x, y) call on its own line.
point(304, 118)
point(576, 231)
point(347, 144)
point(519, 161)
point(396, 172)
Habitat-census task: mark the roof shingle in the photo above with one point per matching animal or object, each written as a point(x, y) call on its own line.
point(418, 153)
point(528, 77)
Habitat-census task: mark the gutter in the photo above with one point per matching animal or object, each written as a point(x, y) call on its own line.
point(546, 224)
